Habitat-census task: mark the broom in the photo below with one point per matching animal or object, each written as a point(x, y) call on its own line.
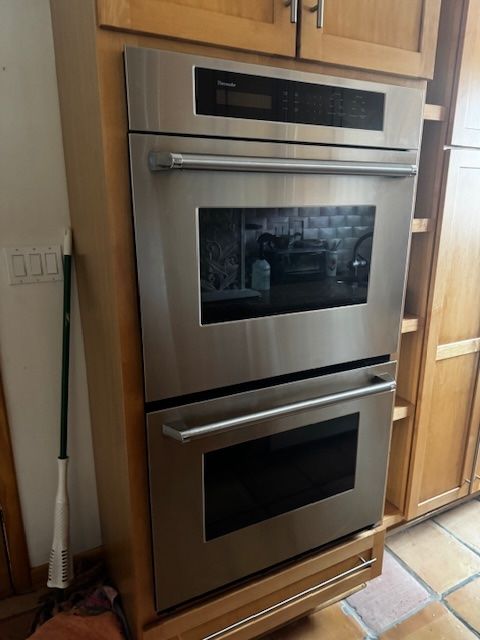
point(60, 566)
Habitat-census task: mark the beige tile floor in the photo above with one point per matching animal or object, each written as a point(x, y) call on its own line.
point(430, 588)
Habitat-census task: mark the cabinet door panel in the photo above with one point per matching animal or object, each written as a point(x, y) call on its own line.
point(461, 309)
point(453, 384)
point(465, 130)
point(384, 35)
point(448, 405)
point(257, 25)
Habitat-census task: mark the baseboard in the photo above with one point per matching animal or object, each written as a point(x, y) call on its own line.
point(39, 574)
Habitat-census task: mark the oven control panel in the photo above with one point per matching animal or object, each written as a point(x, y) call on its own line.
point(240, 95)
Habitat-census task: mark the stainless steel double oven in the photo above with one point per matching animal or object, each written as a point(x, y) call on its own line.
point(272, 214)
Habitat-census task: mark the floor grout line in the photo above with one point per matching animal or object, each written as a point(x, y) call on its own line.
point(436, 597)
point(351, 611)
point(433, 595)
point(462, 620)
point(406, 616)
point(470, 547)
point(461, 584)
point(419, 579)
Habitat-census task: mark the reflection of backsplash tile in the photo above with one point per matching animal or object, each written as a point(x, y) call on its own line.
point(329, 223)
point(354, 221)
point(344, 232)
point(348, 243)
point(321, 221)
point(328, 233)
point(360, 231)
point(345, 223)
point(310, 234)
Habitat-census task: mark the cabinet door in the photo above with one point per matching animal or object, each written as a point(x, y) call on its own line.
point(382, 35)
point(258, 25)
point(447, 409)
point(465, 127)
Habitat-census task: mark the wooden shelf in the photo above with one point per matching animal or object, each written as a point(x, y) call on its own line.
point(402, 409)
point(421, 225)
point(410, 323)
point(392, 515)
point(434, 112)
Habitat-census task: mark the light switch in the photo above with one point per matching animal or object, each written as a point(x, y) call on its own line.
point(51, 263)
point(36, 268)
point(29, 265)
point(18, 266)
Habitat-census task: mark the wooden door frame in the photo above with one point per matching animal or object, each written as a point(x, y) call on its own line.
point(9, 500)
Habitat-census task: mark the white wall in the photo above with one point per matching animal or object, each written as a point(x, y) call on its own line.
point(34, 210)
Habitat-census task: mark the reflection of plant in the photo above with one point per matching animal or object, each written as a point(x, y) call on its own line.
point(221, 267)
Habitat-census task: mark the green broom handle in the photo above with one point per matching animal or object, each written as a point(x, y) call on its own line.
point(67, 273)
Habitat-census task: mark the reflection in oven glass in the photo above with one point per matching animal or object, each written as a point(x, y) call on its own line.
point(268, 261)
point(253, 481)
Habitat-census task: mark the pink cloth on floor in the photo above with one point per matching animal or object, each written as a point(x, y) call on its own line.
point(77, 627)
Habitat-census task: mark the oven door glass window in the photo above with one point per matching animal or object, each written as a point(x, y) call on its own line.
point(261, 262)
point(253, 481)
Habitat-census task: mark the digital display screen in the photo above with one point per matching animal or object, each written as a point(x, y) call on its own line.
point(241, 95)
point(243, 99)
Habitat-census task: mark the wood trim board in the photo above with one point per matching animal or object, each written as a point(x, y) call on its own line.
point(19, 565)
point(454, 349)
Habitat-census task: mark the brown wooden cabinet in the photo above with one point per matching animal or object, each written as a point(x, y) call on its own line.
point(448, 413)
point(93, 108)
point(5, 584)
point(465, 123)
point(382, 35)
point(257, 25)
point(91, 80)
point(14, 561)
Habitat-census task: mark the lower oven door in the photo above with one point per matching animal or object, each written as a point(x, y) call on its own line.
point(243, 483)
point(264, 259)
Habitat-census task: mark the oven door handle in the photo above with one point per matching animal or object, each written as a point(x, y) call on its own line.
point(166, 161)
point(183, 433)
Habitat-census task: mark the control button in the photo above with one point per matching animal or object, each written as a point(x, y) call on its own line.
point(51, 263)
point(18, 266)
point(36, 264)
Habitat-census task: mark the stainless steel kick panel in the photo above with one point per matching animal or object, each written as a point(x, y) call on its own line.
point(161, 98)
point(182, 355)
point(186, 564)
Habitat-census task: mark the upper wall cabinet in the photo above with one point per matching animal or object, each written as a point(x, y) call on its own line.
point(465, 126)
point(266, 26)
point(392, 36)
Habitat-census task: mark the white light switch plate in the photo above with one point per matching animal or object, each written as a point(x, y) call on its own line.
point(27, 265)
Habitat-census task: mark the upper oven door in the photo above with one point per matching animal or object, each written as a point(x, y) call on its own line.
point(254, 263)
